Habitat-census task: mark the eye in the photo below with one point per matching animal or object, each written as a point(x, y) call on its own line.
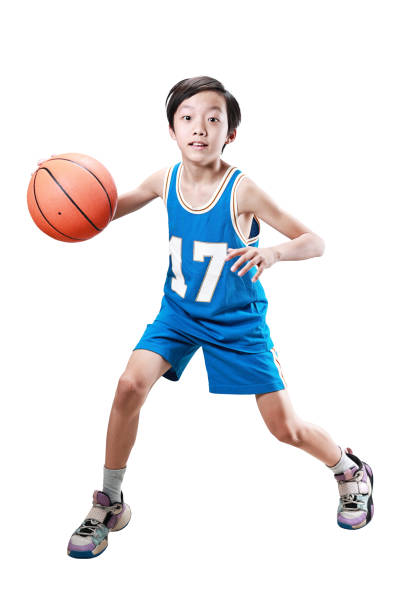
point(214, 118)
point(185, 116)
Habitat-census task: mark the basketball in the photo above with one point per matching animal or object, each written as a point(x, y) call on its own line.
point(71, 197)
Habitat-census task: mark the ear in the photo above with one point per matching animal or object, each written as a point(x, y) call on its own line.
point(172, 133)
point(231, 136)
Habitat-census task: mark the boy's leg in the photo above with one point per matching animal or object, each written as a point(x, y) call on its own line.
point(354, 476)
point(282, 421)
point(144, 368)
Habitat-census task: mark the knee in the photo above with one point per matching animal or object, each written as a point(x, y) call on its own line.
point(132, 387)
point(289, 433)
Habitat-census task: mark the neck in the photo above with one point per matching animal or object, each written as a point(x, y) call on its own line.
point(196, 174)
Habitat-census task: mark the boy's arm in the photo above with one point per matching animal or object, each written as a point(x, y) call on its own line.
point(303, 243)
point(147, 191)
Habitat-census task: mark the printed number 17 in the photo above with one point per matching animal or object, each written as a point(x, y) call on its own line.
point(216, 250)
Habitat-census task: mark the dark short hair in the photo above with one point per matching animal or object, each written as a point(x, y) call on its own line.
point(189, 87)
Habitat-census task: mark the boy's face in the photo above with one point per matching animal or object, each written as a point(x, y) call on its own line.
point(202, 118)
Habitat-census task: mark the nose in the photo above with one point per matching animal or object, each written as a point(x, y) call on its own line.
point(199, 129)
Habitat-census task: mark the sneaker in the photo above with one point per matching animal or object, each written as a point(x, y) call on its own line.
point(91, 537)
point(356, 507)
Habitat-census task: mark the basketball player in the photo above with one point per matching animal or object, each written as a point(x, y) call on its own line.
point(213, 299)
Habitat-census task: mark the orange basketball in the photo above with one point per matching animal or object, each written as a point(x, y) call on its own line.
point(72, 197)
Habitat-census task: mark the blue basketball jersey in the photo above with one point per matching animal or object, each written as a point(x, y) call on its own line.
point(201, 294)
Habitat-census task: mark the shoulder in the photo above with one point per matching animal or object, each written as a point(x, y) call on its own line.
point(158, 179)
point(247, 194)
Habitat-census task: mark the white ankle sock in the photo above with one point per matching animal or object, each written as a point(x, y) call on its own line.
point(343, 464)
point(112, 483)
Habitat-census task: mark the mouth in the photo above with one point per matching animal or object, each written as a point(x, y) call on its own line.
point(197, 144)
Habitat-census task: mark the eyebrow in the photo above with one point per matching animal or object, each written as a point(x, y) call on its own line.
point(211, 108)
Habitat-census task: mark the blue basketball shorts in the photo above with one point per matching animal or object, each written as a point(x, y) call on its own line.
point(228, 370)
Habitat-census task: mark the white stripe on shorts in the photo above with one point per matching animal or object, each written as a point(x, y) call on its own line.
point(278, 365)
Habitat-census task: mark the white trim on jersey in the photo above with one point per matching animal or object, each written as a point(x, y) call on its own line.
point(214, 198)
point(234, 214)
point(166, 185)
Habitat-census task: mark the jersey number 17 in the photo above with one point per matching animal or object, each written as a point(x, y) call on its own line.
point(216, 250)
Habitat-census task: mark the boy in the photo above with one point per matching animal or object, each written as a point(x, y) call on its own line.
point(213, 212)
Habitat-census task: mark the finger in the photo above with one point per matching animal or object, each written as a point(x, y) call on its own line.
point(258, 274)
point(249, 265)
point(245, 257)
point(248, 254)
point(238, 263)
point(40, 161)
point(238, 249)
point(235, 252)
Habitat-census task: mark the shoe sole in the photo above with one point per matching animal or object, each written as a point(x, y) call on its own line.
point(91, 554)
point(370, 504)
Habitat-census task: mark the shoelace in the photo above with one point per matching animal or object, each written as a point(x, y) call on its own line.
point(354, 499)
point(352, 502)
point(89, 526)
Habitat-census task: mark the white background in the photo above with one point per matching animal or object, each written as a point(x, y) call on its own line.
point(225, 517)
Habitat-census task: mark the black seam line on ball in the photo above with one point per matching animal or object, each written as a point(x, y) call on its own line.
point(68, 196)
point(49, 223)
point(90, 172)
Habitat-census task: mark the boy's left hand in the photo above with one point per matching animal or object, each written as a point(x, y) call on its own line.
point(263, 258)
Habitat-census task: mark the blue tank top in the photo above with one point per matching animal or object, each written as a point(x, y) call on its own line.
point(201, 294)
